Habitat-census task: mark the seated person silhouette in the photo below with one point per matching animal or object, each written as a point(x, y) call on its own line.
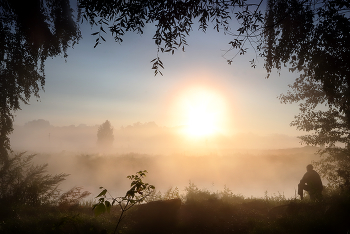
point(311, 182)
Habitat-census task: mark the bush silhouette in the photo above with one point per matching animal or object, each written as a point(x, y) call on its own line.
point(25, 184)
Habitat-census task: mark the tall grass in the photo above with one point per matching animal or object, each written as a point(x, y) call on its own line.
point(201, 211)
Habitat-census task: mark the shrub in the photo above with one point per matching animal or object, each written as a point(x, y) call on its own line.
point(22, 183)
point(137, 194)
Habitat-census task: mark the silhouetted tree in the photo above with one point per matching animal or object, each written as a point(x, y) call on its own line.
point(26, 184)
point(326, 126)
point(105, 135)
point(313, 39)
point(30, 32)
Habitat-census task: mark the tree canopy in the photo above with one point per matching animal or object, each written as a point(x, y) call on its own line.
point(173, 20)
point(312, 38)
point(30, 32)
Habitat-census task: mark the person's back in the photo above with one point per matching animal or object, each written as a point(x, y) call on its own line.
point(311, 182)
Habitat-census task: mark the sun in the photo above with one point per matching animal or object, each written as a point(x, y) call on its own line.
point(203, 111)
point(201, 120)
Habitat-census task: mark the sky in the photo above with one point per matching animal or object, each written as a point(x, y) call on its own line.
point(115, 82)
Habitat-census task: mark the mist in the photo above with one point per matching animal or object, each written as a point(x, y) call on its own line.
point(247, 164)
point(143, 138)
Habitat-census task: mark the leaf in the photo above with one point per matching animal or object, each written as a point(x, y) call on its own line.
point(108, 206)
point(95, 33)
point(130, 193)
point(99, 209)
point(103, 193)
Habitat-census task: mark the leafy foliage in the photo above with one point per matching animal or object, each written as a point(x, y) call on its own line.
point(325, 124)
point(138, 192)
point(313, 38)
point(173, 21)
point(31, 31)
point(23, 184)
point(203, 214)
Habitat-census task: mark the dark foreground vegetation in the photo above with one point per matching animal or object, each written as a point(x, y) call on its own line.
point(196, 211)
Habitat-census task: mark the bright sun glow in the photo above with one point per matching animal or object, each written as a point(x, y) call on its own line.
point(203, 112)
point(201, 120)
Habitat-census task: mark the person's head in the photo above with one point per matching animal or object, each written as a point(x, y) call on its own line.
point(309, 167)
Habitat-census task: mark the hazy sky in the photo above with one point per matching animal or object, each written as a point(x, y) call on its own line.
point(115, 82)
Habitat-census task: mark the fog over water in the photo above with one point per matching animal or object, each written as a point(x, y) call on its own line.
point(247, 164)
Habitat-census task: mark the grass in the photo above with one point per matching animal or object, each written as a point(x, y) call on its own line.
point(201, 211)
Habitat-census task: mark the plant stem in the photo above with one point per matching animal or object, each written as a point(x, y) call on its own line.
point(121, 216)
